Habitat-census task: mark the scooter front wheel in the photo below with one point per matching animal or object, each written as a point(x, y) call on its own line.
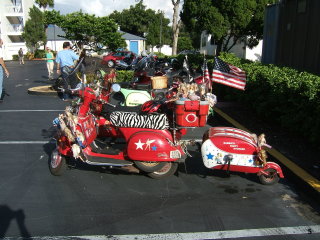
point(169, 169)
point(271, 178)
point(57, 163)
point(149, 166)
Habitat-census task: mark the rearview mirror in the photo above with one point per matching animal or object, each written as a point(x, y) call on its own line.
point(116, 87)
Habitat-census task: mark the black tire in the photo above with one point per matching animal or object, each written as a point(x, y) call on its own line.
point(57, 163)
point(272, 177)
point(110, 64)
point(149, 166)
point(169, 169)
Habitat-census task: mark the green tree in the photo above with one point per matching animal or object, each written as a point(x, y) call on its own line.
point(34, 31)
point(139, 20)
point(45, 3)
point(184, 43)
point(86, 29)
point(229, 21)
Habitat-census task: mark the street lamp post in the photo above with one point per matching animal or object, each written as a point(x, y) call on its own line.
point(160, 32)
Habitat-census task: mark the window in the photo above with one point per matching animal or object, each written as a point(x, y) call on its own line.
point(302, 6)
point(212, 42)
point(204, 40)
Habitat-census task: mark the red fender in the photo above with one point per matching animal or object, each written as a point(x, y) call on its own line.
point(272, 165)
point(152, 145)
point(64, 146)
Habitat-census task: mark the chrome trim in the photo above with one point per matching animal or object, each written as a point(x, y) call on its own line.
point(107, 164)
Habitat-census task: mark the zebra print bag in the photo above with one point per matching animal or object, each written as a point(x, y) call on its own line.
point(134, 120)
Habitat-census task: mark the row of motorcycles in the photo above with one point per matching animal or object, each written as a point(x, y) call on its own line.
point(100, 128)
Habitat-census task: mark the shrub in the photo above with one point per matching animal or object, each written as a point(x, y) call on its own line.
point(124, 76)
point(39, 53)
point(280, 95)
point(160, 55)
point(15, 57)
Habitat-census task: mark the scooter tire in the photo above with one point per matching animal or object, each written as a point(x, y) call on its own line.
point(57, 163)
point(149, 166)
point(272, 177)
point(169, 169)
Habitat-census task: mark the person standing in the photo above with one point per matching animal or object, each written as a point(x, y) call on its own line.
point(3, 70)
point(50, 62)
point(20, 54)
point(65, 65)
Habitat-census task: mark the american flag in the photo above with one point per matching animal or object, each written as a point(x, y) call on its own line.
point(228, 74)
point(206, 76)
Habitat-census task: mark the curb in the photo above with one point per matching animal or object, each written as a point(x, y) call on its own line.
point(43, 90)
point(299, 173)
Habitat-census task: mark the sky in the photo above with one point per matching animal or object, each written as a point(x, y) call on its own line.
point(105, 7)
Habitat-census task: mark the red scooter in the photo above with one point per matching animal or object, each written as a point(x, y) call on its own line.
point(148, 144)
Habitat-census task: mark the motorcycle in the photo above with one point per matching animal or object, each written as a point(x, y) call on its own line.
point(128, 63)
point(148, 144)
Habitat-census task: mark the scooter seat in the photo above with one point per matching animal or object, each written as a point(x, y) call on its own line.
point(107, 110)
point(134, 120)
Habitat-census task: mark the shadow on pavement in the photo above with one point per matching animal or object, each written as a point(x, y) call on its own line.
point(8, 215)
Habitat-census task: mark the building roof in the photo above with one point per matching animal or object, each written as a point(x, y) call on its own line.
point(129, 36)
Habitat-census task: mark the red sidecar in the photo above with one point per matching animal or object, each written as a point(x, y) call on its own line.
point(232, 149)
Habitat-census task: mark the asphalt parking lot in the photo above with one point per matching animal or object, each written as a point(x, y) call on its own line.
point(98, 203)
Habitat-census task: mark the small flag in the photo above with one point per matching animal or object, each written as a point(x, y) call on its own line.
point(206, 76)
point(185, 66)
point(228, 74)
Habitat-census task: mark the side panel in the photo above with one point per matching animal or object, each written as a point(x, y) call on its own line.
point(152, 146)
point(214, 157)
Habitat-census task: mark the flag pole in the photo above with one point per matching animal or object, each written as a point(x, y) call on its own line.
point(204, 58)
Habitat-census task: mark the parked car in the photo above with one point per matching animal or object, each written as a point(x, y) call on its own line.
point(112, 58)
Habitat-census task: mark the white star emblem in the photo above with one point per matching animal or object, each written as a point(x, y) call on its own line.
point(139, 144)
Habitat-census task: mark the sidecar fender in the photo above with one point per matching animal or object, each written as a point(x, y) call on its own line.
point(275, 166)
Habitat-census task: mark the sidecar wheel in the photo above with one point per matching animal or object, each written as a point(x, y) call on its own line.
point(149, 166)
point(272, 177)
point(169, 169)
point(57, 163)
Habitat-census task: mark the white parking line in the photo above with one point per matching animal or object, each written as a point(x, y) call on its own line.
point(233, 234)
point(24, 142)
point(3, 111)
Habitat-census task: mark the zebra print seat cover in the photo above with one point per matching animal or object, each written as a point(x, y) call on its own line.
point(134, 120)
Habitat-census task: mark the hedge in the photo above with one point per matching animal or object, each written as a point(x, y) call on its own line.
point(124, 76)
point(280, 95)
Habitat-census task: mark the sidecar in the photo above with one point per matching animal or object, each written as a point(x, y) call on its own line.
point(232, 149)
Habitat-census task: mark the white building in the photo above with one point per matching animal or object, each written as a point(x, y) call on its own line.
point(208, 47)
point(13, 16)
